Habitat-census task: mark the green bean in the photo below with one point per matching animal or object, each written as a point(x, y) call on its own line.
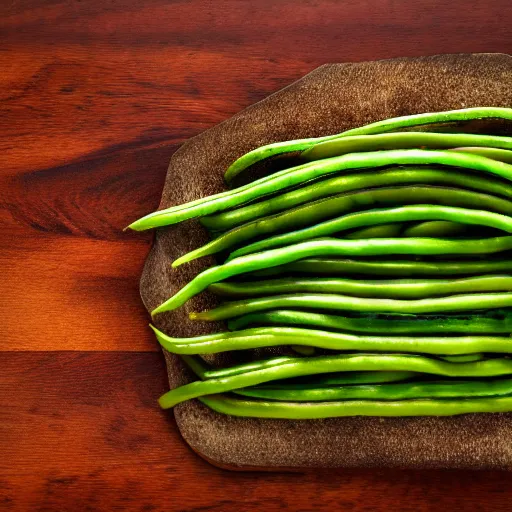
point(328, 364)
point(379, 231)
point(350, 377)
point(329, 247)
point(230, 371)
point(501, 155)
point(386, 125)
point(463, 358)
point(360, 219)
point(337, 302)
point(436, 229)
point(383, 288)
point(268, 336)
point(354, 378)
point(276, 336)
point(312, 170)
point(402, 140)
point(379, 267)
point(311, 213)
point(353, 182)
point(203, 371)
point(196, 364)
point(472, 323)
point(322, 380)
point(325, 379)
point(317, 410)
point(399, 391)
point(338, 379)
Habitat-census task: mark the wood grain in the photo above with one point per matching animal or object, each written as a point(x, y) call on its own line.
point(71, 272)
point(81, 430)
point(94, 99)
point(82, 78)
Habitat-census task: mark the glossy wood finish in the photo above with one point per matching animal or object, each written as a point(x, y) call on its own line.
point(80, 429)
point(94, 99)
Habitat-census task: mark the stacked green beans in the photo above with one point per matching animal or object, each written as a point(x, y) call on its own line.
point(379, 261)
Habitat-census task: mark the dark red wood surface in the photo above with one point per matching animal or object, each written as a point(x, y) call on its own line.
point(95, 96)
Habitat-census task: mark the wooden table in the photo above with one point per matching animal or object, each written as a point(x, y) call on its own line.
point(95, 98)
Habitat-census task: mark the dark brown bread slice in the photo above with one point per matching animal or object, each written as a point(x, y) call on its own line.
point(331, 99)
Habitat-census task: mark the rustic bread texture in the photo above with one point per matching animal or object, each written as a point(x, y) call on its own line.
point(331, 99)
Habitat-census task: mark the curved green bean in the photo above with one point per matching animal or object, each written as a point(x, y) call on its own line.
point(312, 170)
point(398, 391)
point(197, 365)
point(337, 302)
point(388, 268)
point(318, 410)
point(472, 323)
point(321, 380)
point(329, 247)
point(402, 140)
point(353, 182)
point(302, 366)
point(378, 288)
point(382, 126)
point(436, 229)
point(360, 219)
point(260, 337)
point(230, 371)
point(502, 155)
point(201, 370)
point(204, 372)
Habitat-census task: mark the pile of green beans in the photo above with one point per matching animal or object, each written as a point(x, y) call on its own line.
point(380, 265)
